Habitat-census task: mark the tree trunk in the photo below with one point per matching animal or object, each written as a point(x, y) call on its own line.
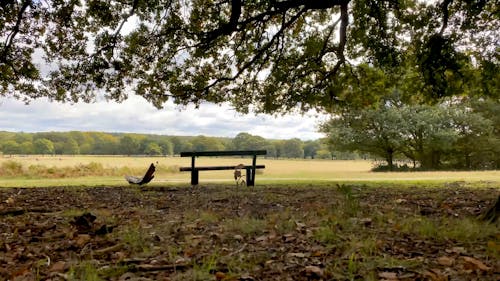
point(389, 154)
point(390, 163)
point(492, 213)
point(468, 162)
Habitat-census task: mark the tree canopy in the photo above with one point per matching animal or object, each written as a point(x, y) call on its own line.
point(265, 56)
point(457, 136)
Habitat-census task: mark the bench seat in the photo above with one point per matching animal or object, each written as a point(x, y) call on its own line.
point(223, 153)
point(250, 169)
point(215, 168)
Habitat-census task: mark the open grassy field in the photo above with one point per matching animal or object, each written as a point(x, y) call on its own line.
point(277, 171)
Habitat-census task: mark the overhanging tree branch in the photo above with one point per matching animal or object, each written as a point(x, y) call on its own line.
point(275, 8)
point(339, 50)
point(112, 43)
point(309, 4)
point(188, 48)
point(10, 38)
point(446, 15)
point(259, 53)
point(229, 27)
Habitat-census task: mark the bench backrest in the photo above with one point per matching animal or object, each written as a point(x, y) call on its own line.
point(223, 153)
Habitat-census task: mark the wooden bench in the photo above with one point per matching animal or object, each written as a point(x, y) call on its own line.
point(250, 169)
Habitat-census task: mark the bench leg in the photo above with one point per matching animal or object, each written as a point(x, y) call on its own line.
point(194, 177)
point(250, 178)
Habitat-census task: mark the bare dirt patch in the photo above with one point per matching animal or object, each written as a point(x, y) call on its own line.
point(266, 233)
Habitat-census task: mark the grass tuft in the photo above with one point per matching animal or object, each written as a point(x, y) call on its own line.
point(245, 225)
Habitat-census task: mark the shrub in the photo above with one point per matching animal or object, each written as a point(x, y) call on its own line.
point(11, 168)
point(395, 168)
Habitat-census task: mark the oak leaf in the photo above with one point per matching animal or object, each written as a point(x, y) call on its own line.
point(59, 266)
point(313, 271)
point(388, 275)
point(473, 264)
point(435, 275)
point(445, 261)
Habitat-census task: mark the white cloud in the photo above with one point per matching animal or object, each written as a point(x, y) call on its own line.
point(135, 115)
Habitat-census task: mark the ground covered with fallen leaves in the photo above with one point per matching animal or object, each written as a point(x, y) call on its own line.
point(305, 232)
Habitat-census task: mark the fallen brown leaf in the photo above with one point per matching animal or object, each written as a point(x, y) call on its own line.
point(435, 275)
point(297, 255)
point(313, 271)
point(493, 246)
point(59, 266)
point(220, 275)
point(473, 264)
point(445, 261)
point(388, 275)
point(82, 239)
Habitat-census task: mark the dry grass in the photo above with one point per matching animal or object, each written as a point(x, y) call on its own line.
point(277, 171)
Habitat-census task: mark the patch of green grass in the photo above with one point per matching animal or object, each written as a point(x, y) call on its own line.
point(326, 235)
point(70, 213)
point(208, 217)
point(351, 267)
point(364, 246)
point(285, 226)
point(427, 228)
point(113, 272)
point(200, 217)
point(245, 225)
point(459, 229)
point(85, 270)
point(201, 271)
point(468, 229)
point(38, 266)
point(282, 222)
point(394, 262)
point(246, 262)
point(350, 203)
point(136, 239)
point(365, 267)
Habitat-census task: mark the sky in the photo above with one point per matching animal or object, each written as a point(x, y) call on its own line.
point(136, 115)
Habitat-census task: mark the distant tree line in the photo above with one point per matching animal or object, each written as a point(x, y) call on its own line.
point(101, 143)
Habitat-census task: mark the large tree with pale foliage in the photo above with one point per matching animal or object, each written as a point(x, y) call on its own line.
point(459, 136)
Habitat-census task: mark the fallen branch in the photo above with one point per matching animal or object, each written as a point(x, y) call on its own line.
point(54, 237)
point(108, 249)
point(15, 212)
point(19, 211)
point(155, 267)
point(160, 267)
point(60, 275)
point(238, 251)
point(138, 264)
